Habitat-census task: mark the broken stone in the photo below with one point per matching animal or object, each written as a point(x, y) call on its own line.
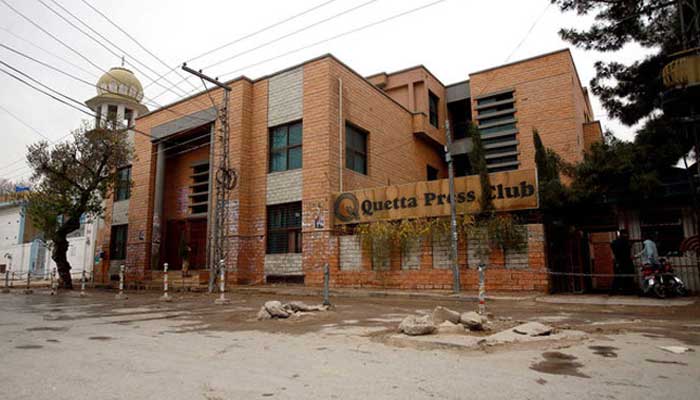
point(472, 320)
point(263, 314)
point(675, 349)
point(415, 325)
point(442, 314)
point(449, 327)
point(301, 306)
point(533, 329)
point(276, 309)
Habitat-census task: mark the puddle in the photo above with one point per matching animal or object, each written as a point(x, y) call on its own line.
point(47, 329)
point(29, 346)
point(103, 338)
point(666, 362)
point(605, 351)
point(557, 363)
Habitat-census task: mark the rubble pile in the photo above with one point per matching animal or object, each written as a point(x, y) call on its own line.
point(276, 309)
point(442, 320)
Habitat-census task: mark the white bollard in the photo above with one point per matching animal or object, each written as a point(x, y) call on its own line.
point(54, 283)
point(165, 296)
point(482, 290)
point(6, 289)
point(222, 281)
point(82, 284)
point(121, 295)
point(28, 290)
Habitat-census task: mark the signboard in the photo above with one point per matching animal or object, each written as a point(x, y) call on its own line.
point(510, 191)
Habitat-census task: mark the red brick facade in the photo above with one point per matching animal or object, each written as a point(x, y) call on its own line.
point(393, 110)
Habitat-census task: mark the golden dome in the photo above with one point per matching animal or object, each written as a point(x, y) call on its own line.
point(120, 82)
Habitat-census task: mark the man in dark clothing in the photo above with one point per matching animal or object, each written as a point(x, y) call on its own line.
point(622, 250)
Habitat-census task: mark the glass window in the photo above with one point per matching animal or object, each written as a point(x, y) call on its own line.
point(433, 103)
point(355, 149)
point(122, 188)
point(128, 117)
point(118, 242)
point(285, 147)
point(112, 117)
point(284, 228)
point(432, 173)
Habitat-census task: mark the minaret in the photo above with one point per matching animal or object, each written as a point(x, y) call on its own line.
point(118, 100)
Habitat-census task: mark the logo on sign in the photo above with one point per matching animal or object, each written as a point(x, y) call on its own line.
point(346, 208)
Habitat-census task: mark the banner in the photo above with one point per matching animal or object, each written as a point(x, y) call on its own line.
point(510, 191)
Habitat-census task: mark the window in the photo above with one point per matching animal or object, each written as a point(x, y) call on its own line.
point(128, 117)
point(432, 173)
point(497, 125)
point(433, 102)
point(112, 117)
point(284, 228)
point(118, 242)
point(199, 194)
point(285, 147)
point(98, 116)
point(355, 149)
point(122, 188)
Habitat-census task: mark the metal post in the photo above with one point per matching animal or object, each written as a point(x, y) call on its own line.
point(6, 289)
point(482, 289)
point(454, 258)
point(326, 284)
point(121, 295)
point(54, 283)
point(83, 279)
point(28, 290)
point(12, 281)
point(165, 296)
point(222, 282)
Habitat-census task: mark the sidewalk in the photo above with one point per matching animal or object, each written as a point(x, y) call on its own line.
point(585, 299)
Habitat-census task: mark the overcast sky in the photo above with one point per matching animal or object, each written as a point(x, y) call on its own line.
point(451, 38)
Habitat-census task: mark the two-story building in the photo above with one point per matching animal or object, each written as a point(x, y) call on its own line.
point(301, 134)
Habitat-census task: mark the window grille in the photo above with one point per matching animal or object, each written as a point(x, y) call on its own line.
point(284, 228)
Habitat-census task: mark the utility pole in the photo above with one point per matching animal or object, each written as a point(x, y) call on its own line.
point(454, 258)
point(225, 178)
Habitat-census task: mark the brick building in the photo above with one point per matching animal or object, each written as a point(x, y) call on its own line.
point(303, 133)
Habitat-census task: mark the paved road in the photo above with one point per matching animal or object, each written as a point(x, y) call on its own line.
point(97, 348)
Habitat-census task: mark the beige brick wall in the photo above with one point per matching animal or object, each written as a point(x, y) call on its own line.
point(284, 187)
point(285, 98)
point(350, 253)
point(283, 264)
point(120, 212)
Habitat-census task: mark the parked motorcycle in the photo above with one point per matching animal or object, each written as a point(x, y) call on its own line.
point(660, 281)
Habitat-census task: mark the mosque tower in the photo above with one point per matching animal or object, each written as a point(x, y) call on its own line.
point(119, 95)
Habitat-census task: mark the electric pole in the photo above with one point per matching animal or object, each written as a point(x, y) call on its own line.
point(225, 178)
point(454, 257)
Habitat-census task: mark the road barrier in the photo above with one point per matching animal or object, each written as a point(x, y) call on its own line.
point(121, 295)
point(222, 282)
point(165, 296)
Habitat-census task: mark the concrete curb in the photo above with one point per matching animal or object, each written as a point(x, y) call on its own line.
point(604, 300)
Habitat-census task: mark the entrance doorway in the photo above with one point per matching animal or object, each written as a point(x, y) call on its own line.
point(186, 236)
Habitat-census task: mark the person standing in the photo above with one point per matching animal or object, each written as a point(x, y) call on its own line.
point(622, 251)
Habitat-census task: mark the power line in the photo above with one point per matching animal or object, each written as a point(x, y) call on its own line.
point(351, 31)
point(138, 43)
point(247, 36)
point(102, 44)
point(49, 52)
point(73, 50)
point(21, 121)
point(302, 29)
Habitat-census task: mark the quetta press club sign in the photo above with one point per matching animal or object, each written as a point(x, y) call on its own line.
point(510, 191)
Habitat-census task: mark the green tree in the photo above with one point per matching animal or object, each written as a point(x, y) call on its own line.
point(477, 160)
point(553, 194)
point(70, 182)
point(629, 92)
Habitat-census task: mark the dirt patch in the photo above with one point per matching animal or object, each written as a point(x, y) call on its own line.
point(53, 340)
point(604, 351)
point(102, 338)
point(666, 362)
point(47, 329)
point(557, 363)
point(29, 347)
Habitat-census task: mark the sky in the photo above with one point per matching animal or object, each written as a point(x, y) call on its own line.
point(451, 38)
